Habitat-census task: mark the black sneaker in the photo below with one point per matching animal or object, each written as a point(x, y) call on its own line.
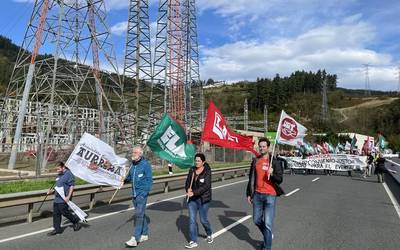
point(54, 232)
point(77, 226)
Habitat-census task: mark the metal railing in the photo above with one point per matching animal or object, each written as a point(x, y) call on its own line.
point(30, 198)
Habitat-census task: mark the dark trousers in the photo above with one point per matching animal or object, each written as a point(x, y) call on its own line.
point(62, 209)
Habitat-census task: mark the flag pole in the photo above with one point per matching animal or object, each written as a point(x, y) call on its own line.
point(273, 151)
point(276, 141)
point(116, 191)
point(47, 194)
point(191, 184)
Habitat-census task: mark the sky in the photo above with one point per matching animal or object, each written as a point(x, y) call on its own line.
point(245, 39)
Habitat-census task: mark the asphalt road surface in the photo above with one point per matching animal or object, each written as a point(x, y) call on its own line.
point(318, 212)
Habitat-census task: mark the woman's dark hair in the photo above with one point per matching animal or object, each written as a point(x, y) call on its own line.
point(201, 156)
point(264, 139)
point(61, 164)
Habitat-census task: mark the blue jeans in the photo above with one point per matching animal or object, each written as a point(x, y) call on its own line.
point(194, 206)
point(263, 216)
point(141, 227)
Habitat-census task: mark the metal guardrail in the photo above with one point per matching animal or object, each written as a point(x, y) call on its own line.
point(32, 197)
point(394, 174)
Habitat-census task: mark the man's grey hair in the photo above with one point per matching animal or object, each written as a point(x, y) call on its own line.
point(138, 147)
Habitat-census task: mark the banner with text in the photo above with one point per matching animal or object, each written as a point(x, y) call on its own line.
point(337, 162)
point(96, 162)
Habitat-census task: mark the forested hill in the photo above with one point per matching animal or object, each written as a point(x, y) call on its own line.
point(298, 94)
point(8, 55)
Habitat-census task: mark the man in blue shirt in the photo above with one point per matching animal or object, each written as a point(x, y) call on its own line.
point(66, 180)
point(141, 177)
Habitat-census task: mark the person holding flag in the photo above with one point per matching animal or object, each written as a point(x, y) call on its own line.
point(198, 190)
point(353, 147)
point(66, 180)
point(263, 188)
point(141, 177)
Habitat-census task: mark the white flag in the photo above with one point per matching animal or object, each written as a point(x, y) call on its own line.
point(96, 162)
point(82, 215)
point(347, 146)
point(290, 132)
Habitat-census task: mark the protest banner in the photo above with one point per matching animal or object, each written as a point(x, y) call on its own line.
point(96, 162)
point(336, 162)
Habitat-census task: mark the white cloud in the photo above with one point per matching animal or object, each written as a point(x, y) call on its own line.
point(119, 29)
point(340, 49)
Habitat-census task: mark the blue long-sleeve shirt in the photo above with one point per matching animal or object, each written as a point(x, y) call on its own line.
point(141, 177)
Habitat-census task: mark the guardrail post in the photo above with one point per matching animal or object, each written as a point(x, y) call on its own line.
point(223, 177)
point(235, 174)
point(166, 187)
point(30, 213)
point(91, 204)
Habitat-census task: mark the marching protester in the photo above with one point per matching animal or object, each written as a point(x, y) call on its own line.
point(141, 177)
point(170, 172)
point(262, 190)
point(368, 169)
point(66, 180)
point(198, 189)
point(380, 168)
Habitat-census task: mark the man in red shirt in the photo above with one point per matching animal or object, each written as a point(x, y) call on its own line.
point(262, 190)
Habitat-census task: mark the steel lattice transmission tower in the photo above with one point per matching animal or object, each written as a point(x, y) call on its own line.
point(367, 86)
point(137, 75)
point(245, 115)
point(325, 109)
point(265, 118)
point(176, 65)
point(74, 87)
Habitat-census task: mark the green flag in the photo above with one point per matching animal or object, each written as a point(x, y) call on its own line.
point(331, 149)
point(353, 142)
point(382, 142)
point(169, 142)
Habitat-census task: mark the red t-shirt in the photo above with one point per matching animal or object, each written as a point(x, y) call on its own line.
point(263, 185)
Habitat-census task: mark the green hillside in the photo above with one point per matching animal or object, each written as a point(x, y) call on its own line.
point(298, 94)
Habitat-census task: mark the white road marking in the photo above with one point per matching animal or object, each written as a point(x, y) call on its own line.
point(226, 229)
point(316, 179)
point(395, 163)
point(294, 191)
point(109, 214)
point(393, 199)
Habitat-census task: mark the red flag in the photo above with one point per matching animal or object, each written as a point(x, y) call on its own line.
point(366, 146)
point(321, 149)
point(216, 131)
point(325, 147)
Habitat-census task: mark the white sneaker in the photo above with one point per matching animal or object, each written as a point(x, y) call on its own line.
point(132, 242)
point(191, 244)
point(210, 239)
point(143, 238)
